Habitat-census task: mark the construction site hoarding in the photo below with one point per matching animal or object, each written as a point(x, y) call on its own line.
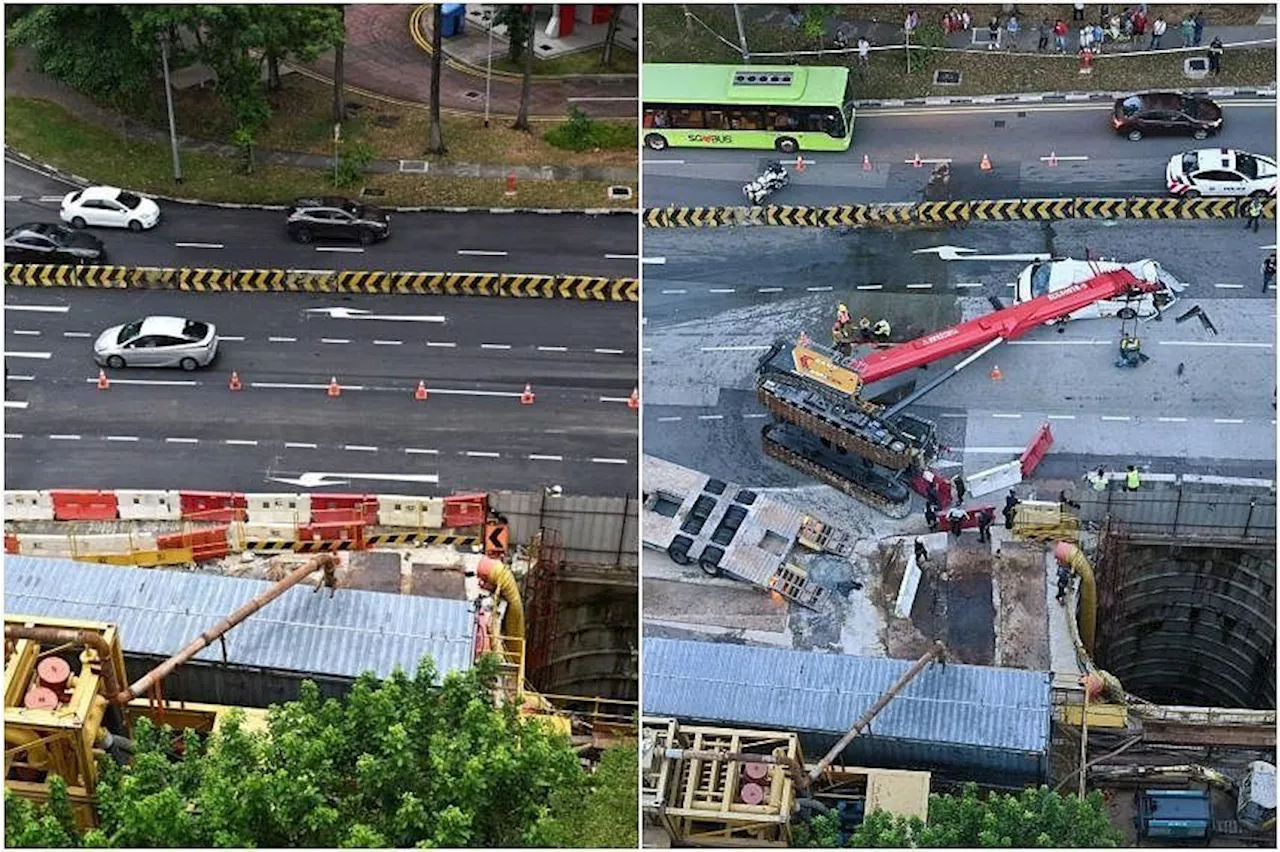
point(971, 722)
point(300, 636)
point(1242, 510)
point(598, 531)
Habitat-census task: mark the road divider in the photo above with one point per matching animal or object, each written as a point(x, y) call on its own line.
point(954, 212)
point(495, 284)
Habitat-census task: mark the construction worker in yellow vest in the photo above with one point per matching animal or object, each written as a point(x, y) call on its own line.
point(881, 331)
point(842, 331)
point(1132, 481)
point(1098, 479)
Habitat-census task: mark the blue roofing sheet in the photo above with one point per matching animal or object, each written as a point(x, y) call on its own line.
point(160, 611)
point(805, 691)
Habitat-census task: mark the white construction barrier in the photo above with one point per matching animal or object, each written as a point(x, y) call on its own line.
point(45, 545)
point(994, 479)
point(259, 532)
point(907, 588)
point(399, 511)
point(290, 509)
point(28, 506)
point(149, 505)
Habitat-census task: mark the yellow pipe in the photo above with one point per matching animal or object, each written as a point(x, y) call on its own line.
point(493, 572)
point(23, 738)
point(1070, 556)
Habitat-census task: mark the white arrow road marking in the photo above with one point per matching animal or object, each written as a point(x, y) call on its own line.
point(361, 314)
point(313, 480)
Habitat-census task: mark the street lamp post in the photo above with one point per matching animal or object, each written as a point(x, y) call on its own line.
point(168, 98)
point(488, 74)
point(742, 36)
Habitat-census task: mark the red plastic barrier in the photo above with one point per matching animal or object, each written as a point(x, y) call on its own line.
point(970, 521)
point(216, 506)
point(921, 486)
point(205, 544)
point(465, 510)
point(84, 506)
point(331, 508)
point(340, 531)
point(1036, 450)
point(10, 543)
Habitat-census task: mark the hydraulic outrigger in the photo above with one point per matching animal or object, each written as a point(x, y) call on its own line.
point(871, 452)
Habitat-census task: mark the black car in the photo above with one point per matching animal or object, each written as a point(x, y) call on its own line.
point(337, 218)
point(1166, 113)
point(42, 242)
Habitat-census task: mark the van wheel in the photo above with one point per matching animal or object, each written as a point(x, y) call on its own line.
point(656, 141)
point(1135, 135)
point(787, 145)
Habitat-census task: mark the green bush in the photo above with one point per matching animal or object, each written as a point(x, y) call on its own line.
point(354, 159)
point(583, 133)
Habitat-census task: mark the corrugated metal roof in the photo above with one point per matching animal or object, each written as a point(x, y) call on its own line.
point(160, 611)
point(805, 691)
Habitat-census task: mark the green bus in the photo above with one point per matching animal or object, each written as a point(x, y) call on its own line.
point(786, 107)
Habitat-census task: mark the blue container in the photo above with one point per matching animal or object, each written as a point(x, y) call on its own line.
point(1183, 814)
point(453, 16)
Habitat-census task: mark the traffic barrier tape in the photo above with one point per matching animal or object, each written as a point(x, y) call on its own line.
point(199, 280)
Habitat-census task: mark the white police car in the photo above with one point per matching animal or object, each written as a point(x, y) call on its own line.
point(1221, 172)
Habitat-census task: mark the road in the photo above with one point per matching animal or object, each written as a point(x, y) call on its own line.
point(169, 429)
point(212, 237)
point(1018, 139)
point(1200, 405)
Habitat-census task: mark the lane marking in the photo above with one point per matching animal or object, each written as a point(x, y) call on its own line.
point(200, 245)
point(754, 416)
point(9, 198)
point(1065, 342)
point(161, 382)
point(47, 198)
point(1060, 159)
point(26, 332)
point(182, 440)
point(1111, 418)
point(293, 386)
point(480, 253)
point(415, 451)
point(649, 162)
point(340, 248)
point(240, 443)
point(132, 439)
point(282, 340)
point(869, 287)
point(614, 399)
point(722, 290)
point(359, 448)
point(495, 345)
point(674, 292)
point(40, 356)
point(953, 414)
point(608, 351)
point(1226, 420)
point(231, 339)
point(12, 436)
point(553, 349)
point(734, 348)
point(22, 378)
point(919, 286)
point(483, 455)
point(818, 289)
point(64, 437)
point(334, 340)
point(963, 284)
point(769, 290)
point(656, 260)
point(622, 257)
point(1214, 343)
point(387, 342)
point(934, 162)
point(670, 419)
point(442, 345)
point(536, 457)
point(9, 403)
point(1062, 417)
point(1007, 416)
point(994, 450)
point(609, 461)
point(76, 334)
point(291, 445)
point(1171, 419)
point(1229, 286)
point(710, 416)
point(457, 392)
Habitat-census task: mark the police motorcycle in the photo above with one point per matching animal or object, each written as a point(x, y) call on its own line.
point(771, 180)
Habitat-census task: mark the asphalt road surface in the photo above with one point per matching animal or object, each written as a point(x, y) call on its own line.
point(212, 237)
point(1018, 139)
point(1200, 405)
point(282, 431)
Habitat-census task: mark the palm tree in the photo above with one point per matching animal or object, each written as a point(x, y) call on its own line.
point(339, 68)
point(435, 133)
point(526, 85)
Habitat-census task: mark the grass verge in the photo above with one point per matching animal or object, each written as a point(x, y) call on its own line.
point(50, 134)
point(588, 62)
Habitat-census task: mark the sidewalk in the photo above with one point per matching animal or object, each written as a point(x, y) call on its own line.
point(381, 57)
point(25, 82)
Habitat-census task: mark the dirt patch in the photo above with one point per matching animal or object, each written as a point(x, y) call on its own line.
point(1023, 620)
point(433, 581)
point(373, 571)
point(733, 608)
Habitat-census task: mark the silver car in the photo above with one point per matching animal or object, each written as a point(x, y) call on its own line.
point(157, 342)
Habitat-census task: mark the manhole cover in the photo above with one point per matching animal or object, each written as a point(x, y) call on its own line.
point(413, 165)
point(387, 121)
point(999, 122)
point(373, 191)
point(620, 193)
point(946, 78)
point(471, 96)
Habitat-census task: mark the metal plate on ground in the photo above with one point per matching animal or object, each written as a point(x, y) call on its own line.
point(946, 78)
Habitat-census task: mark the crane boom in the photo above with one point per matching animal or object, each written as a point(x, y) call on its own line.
point(1006, 324)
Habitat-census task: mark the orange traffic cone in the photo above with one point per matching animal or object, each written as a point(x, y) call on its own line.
point(334, 388)
point(234, 384)
point(996, 375)
point(799, 163)
point(866, 163)
point(916, 162)
point(103, 384)
point(526, 398)
point(421, 393)
point(985, 165)
point(634, 402)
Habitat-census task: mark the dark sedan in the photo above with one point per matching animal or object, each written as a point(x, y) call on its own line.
point(42, 242)
point(337, 219)
point(1166, 114)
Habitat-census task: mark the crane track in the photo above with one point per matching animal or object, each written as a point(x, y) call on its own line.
point(894, 508)
point(886, 456)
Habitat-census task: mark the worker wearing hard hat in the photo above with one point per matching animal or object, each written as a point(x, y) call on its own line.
point(864, 329)
point(881, 331)
point(1130, 352)
point(841, 333)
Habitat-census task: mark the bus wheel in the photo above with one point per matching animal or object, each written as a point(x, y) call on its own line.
point(787, 145)
point(656, 141)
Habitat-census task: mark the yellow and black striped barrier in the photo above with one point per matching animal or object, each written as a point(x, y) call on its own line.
point(385, 539)
point(281, 545)
point(955, 212)
point(580, 287)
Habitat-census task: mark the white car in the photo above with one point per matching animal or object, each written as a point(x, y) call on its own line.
point(1050, 276)
point(1220, 172)
point(109, 207)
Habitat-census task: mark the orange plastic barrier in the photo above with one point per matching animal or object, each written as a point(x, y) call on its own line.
point(332, 508)
point(465, 510)
point(204, 544)
point(216, 506)
point(84, 505)
point(10, 543)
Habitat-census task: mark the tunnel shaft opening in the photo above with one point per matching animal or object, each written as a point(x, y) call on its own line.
point(1189, 623)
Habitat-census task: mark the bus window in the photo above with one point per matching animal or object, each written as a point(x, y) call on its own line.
point(691, 119)
point(717, 120)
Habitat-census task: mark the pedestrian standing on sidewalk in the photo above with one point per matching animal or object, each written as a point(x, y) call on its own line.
point(1157, 31)
point(1044, 29)
point(1254, 209)
point(1060, 35)
point(966, 20)
point(864, 51)
point(993, 33)
point(922, 552)
point(1011, 27)
point(1269, 272)
point(1187, 30)
point(1197, 24)
point(1086, 38)
point(1215, 55)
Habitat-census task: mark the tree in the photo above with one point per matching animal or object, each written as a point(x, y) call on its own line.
point(607, 815)
point(50, 825)
point(615, 11)
point(514, 19)
point(435, 132)
point(814, 22)
point(526, 84)
point(90, 48)
point(408, 761)
point(339, 69)
point(1038, 818)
